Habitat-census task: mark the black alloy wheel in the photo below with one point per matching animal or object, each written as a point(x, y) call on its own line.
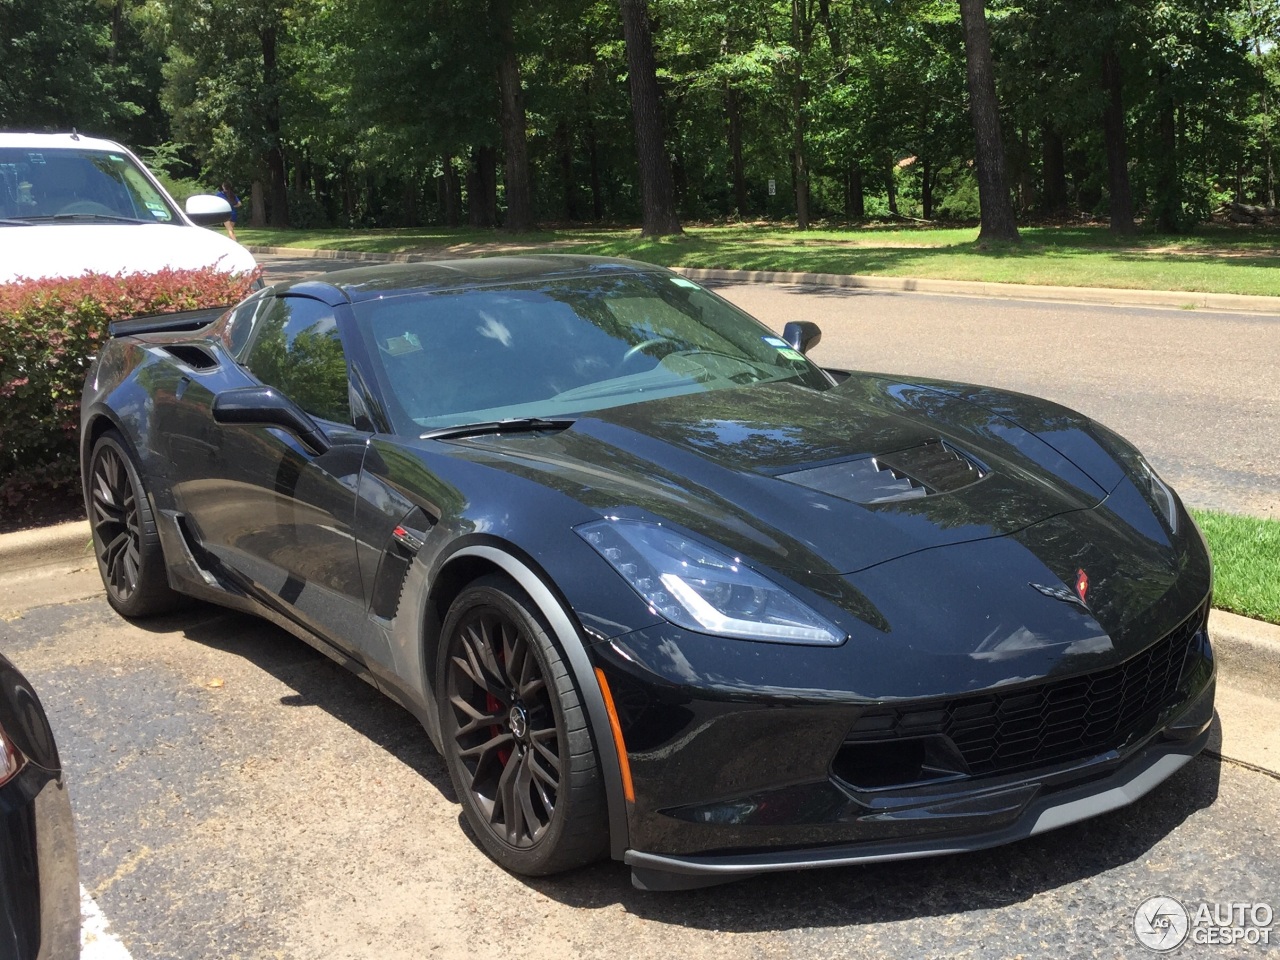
point(527, 777)
point(124, 533)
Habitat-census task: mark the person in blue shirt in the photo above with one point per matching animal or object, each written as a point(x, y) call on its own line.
point(229, 195)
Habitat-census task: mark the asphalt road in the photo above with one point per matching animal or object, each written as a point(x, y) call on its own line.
point(239, 796)
point(1198, 392)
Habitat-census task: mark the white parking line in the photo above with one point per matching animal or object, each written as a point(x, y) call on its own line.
point(96, 942)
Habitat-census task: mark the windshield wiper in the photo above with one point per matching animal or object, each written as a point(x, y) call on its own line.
point(74, 217)
point(513, 425)
point(14, 222)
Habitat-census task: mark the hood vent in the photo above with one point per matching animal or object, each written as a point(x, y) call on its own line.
point(932, 467)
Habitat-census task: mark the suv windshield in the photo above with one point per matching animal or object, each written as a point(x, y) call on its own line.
point(59, 183)
point(563, 347)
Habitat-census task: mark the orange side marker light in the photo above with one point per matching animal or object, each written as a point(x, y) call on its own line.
point(624, 764)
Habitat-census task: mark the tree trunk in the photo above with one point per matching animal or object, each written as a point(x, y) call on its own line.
point(738, 170)
point(926, 188)
point(890, 184)
point(451, 190)
point(409, 202)
point(1168, 187)
point(1053, 197)
point(657, 192)
point(1113, 135)
point(995, 205)
point(802, 38)
point(801, 172)
point(348, 195)
point(482, 188)
point(515, 145)
point(593, 154)
point(257, 205)
point(564, 143)
point(855, 204)
point(279, 205)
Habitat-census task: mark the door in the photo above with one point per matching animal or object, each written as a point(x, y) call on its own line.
point(277, 515)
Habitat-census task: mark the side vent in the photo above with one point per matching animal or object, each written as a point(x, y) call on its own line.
point(197, 358)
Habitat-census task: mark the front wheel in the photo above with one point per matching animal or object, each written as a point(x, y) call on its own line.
point(515, 735)
point(125, 539)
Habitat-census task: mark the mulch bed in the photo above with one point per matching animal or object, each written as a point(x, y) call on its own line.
point(45, 513)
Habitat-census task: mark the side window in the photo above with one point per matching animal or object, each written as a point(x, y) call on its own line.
point(297, 350)
point(240, 326)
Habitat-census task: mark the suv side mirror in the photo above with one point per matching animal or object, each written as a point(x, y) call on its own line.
point(802, 335)
point(267, 407)
point(207, 210)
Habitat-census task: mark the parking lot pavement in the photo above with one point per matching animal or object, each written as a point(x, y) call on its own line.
point(238, 795)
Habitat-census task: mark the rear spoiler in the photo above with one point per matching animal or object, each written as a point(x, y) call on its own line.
point(165, 322)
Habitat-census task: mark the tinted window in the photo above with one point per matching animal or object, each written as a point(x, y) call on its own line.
point(555, 348)
point(240, 325)
point(296, 348)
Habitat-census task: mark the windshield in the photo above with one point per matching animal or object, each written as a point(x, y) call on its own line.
point(564, 347)
point(67, 184)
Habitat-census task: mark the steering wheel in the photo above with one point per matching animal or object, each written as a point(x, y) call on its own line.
point(639, 347)
point(89, 208)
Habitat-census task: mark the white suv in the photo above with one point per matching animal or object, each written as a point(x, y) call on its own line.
point(71, 204)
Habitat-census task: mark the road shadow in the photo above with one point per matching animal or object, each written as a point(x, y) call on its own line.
point(909, 890)
point(831, 898)
point(316, 681)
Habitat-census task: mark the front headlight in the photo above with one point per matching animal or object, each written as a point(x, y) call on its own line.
point(702, 589)
point(1143, 474)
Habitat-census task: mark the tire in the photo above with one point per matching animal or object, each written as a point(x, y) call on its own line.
point(125, 539)
point(515, 734)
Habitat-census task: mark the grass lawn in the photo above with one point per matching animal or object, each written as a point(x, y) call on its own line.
point(1246, 563)
point(1217, 259)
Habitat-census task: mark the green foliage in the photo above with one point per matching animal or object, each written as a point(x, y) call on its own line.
point(374, 112)
point(1246, 563)
point(50, 331)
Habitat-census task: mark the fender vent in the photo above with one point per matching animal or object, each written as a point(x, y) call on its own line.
point(197, 358)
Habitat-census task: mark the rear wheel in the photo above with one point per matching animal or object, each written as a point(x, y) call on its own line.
point(125, 540)
point(515, 735)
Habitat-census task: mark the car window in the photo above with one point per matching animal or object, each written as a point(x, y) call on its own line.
point(68, 183)
point(239, 327)
point(564, 347)
point(296, 348)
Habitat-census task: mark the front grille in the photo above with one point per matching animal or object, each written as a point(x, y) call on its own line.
point(1052, 722)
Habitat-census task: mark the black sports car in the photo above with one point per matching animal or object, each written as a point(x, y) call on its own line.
point(39, 877)
point(655, 584)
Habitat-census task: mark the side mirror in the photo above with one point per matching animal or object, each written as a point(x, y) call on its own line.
point(267, 407)
point(802, 335)
point(207, 210)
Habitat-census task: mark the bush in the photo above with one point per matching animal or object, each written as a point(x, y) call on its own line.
point(50, 330)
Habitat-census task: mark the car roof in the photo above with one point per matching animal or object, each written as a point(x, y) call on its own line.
point(56, 141)
point(384, 280)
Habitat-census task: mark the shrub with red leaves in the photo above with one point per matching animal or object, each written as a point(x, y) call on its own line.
point(50, 330)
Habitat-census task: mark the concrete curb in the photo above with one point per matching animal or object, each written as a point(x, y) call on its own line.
point(29, 550)
point(1225, 302)
point(1248, 651)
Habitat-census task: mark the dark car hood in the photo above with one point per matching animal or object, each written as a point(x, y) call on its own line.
point(766, 470)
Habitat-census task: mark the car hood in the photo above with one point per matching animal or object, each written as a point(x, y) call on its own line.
point(792, 478)
point(44, 250)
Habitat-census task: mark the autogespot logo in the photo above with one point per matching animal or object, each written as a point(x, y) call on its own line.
point(1161, 923)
